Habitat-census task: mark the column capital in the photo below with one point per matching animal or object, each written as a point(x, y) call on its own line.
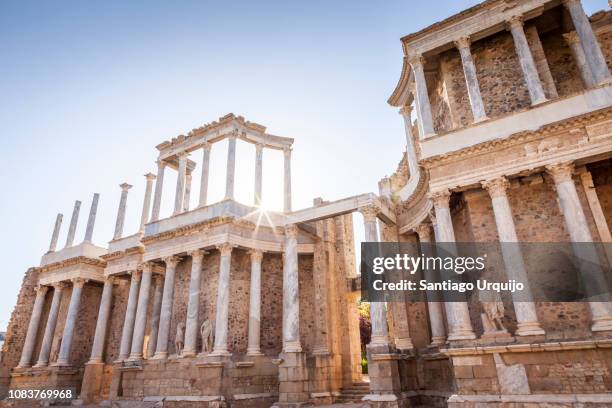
point(561, 172)
point(406, 111)
point(256, 255)
point(110, 279)
point(206, 146)
point(515, 21)
point(146, 267)
point(182, 155)
point(416, 60)
point(197, 255)
point(41, 290)
point(171, 261)
point(125, 186)
point(225, 249)
point(440, 198)
point(150, 176)
point(135, 275)
point(369, 213)
point(59, 285)
point(496, 187)
point(291, 231)
point(233, 135)
point(571, 37)
point(259, 147)
point(78, 282)
point(463, 43)
point(423, 230)
point(160, 163)
point(287, 151)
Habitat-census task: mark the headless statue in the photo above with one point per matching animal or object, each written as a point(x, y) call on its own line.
point(207, 334)
point(179, 341)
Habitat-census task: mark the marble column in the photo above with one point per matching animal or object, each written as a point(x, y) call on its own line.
point(471, 81)
point(573, 42)
point(63, 358)
point(205, 170)
point(45, 348)
point(528, 66)
point(121, 211)
point(97, 349)
point(582, 243)
point(140, 321)
point(130, 316)
point(434, 306)
point(163, 334)
point(56, 231)
point(457, 313)
point(422, 95)
point(223, 299)
point(378, 314)
point(291, 294)
point(526, 315)
point(287, 180)
point(179, 197)
point(159, 186)
point(155, 314)
point(258, 172)
point(73, 224)
point(146, 203)
point(91, 221)
point(30, 339)
point(413, 166)
point(188, 179)
point(254, 348)
point(592, 50)
point(598, 214)
point(230, 173)
point(193, 304)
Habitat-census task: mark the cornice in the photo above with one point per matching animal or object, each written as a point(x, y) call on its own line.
point(72, 261)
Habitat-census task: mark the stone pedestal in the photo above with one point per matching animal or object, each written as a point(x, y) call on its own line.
point(293, 380)
point(385, 386)
point(91, 387)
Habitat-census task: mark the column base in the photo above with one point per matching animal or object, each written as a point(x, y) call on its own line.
point(159, 355)
point(461, 335)
point(404, 344)
point(135, 357)
point(221, 353)
point(186, 354)
point(41, 364)
point(293, 380)
point(437, 341)
point(92, 382)
point(604, 324)
point(254, 352)
point(529, 329)
point(539, 102)
point(385, 401)
point(484, 118)
point(292, 347)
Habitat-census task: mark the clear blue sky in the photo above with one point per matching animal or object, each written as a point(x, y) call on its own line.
point(89, 88)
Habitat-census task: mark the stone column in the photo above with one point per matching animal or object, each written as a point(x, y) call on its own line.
point(91, 221)
point(573, 42)
point(30, 339)
point(253, 348)
point(457, 313)
point(258, 172)
point(413, 166)
point(179, 197)
point(121, 212)
point(530, 72)
point(434, 306)
point(73, 224)
point(188, 179)
point(130, 316)
point(155, 314)
point(45, 348)
point(291, 294)
point(63, 358)
point(592, 51)
point(287, 180)
point(205, 170)
point(159, 186)
point(97, 350)
point(141, 312)
point(146, 203)
point(469, 70)
point(422, 95)
point(578, 229)
point(598, 214)
point(231, 168)
point(193, 304)
point(163, 334)
point(223, 298)
point(526, 315)
point(56, 231)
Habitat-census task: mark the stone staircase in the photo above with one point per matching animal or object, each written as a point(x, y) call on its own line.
point(355, 392)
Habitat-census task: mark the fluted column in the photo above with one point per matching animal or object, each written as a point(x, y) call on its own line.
point(573, 42)
point(130, 316)
point(63, 358)
point(159, 186)
point(193, 304)
point(188, 179)
point(223, 299)
point(73, 223)
point(56, 231)
point(422, 95)
point(526, 316)
point(287, 180)
point(582, 240)
point(163, 334)
point(434, 306)
point(205, 170)
point(471, 80)
point(97, 349)
point(231, 168)
point(530, 72)
point(179, 197)
point(45, 348)
point(254, 347)
point(141, 312)
point(457, 313)
point(592, 50)
point(155, 314)
point(91, 221)
point(146, 203)
point(258, 172)
point(121, 211)
point(30, 339)
point(291, 294)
